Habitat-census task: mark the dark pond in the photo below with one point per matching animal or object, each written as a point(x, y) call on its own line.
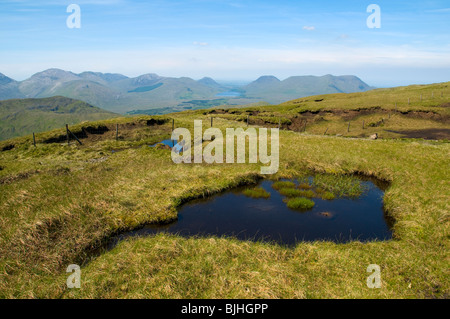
point(233, 214)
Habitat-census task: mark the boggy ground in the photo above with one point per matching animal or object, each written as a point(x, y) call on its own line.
point(66, 201)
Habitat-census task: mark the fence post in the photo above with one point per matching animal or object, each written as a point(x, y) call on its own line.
point(117, 132)
point(325, 131)
point(248, 116)
point(67, 132)
point(34, 140)
point(211, 121)
point(279, 122)
point(363, 124)
point(348, 127)
point(173, 125)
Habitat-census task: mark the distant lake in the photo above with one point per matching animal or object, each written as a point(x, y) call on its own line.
point(229, 94)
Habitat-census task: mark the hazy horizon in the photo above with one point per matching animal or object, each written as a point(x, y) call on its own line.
point(235, 82)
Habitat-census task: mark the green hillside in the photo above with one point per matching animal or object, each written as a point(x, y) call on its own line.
point(19, 117)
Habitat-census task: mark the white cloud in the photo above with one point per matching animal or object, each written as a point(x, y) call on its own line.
point(444, 10)
point(309, 28)
point(203, 44)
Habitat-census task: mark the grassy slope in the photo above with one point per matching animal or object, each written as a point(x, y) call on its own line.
point(19, 117)
point(384, 98)
point(368, 108)
point(58, 201)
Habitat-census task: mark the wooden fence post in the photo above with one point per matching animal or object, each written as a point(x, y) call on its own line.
point(348, 127)
point(363, 124)
point(68, 137)
point(248, 116)
point(117, 132)
point(173, 125)
point(67, 132)
point(211, 121)
point(34, 140)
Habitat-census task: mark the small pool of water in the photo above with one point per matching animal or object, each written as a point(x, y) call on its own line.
point(233, 214)
point(170, 143)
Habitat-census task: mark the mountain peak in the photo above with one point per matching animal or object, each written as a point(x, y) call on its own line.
point(267, 79)
point(4, 79)
point(208, 82)
point(54, 72)
point(54, 75)
point(98, 76)
point(147, 79)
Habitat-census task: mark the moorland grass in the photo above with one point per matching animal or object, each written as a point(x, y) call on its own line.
point(61, 202)
point(339, 185)
point(304, 186)
point(283, 184)
point(257, 192)
point(328, 196)
point(290, 192)
point(381, 111)
point(300, 203)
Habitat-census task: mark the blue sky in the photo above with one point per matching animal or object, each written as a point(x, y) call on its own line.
point(230, 40)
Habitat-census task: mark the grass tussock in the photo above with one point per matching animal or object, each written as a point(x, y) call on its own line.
point(257, 192)
point(283, 184)
point(328, 196)
point(300, 203)
point(304, 186)
point(290, 192)
point(339, 185)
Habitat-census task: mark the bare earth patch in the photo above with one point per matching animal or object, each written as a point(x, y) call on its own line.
point(427, 134)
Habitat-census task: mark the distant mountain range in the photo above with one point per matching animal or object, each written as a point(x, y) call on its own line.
point(121, 94)
point(19, 117)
